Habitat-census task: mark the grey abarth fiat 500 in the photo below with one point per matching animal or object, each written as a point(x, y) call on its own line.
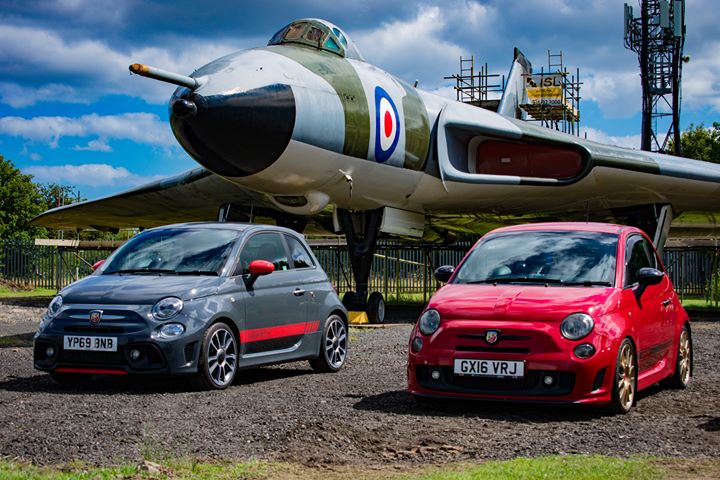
point(200, 299)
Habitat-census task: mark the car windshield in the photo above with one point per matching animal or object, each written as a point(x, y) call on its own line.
point(178, 251)
point(536, 257)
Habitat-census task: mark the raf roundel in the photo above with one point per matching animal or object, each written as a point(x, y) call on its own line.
point(387, 125)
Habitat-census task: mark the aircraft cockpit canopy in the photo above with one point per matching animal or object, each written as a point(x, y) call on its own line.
point(318, 34)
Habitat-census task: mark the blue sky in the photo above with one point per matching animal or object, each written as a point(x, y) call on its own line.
point(71, 113)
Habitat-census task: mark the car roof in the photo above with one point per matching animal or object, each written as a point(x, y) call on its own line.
point(568, 227)
point(238, 226)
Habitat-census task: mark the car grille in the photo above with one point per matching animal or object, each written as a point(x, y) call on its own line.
point(189, 350)
point(530, 386)
point(113, 321)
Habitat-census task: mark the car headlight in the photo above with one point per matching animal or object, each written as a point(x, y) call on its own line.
point(167, 308)
point(429, 321)
point(54, 307)
point(576, 326)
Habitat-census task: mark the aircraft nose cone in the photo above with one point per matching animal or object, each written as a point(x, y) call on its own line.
point(235, 135)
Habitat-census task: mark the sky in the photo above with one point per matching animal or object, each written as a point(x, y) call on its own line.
point(71, 113)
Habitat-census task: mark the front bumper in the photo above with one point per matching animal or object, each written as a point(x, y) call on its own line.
point(132, 330)
point(544, 354)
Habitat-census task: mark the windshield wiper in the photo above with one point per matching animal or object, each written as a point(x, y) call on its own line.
point(590, 283)
point(520, 279)
point(158, 271)
point(198, 272)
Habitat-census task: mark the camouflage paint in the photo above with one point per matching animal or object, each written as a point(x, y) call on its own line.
point(344, 79)
point(417, 129)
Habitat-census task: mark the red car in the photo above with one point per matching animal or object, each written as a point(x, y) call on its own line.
point(556, 312)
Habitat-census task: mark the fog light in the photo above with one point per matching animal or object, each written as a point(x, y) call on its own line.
point(135, 354)
point(584, 350)
point(417, 344)
point(548, 380)
point(172, 330)
point(435, 374)
point(50, 351)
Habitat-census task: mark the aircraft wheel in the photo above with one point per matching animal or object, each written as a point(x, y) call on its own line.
point(348, 300)
point(376, 308)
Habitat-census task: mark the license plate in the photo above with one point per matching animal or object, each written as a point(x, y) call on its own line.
point(91, 344)
point(489, 368)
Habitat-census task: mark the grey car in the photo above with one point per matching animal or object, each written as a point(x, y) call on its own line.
point(197, 299)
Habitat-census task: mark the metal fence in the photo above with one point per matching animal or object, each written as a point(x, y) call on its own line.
point(400, 270)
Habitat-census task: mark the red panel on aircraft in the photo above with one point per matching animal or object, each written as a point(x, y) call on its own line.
point(527, 160)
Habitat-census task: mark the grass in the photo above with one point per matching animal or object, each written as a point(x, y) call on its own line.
point(575, 467)
point(7, 292)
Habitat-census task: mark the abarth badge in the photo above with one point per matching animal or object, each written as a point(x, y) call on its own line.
point(492, 336)
point(95, 316)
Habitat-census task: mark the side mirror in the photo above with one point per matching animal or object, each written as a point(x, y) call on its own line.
point(257, 268)
point(648, 276)
point(443, 274)
point(261, 267)
point(97, 264)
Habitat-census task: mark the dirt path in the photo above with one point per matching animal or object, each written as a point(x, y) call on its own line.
point(361, 415)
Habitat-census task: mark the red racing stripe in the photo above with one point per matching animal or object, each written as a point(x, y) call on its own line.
point(270, 333)
point(91, 371)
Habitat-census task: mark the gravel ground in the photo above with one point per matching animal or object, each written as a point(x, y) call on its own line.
point(359, 416)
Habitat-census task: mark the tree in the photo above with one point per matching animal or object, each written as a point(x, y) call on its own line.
point(20, 201)
point(700, 143)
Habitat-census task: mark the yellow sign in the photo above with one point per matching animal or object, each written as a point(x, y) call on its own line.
point(544, 89)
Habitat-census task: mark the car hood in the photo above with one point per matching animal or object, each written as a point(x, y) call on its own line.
point(138, 289)
point(522, 302)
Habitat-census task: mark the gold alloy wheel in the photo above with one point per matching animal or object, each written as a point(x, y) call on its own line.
point(684, 357)
point(626, 374)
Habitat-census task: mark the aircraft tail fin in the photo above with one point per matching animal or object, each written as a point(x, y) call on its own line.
point(515, 94)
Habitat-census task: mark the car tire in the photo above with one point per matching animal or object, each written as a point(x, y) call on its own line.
point(376, 308)
point(333, 346)
point(683, 365)
point(624, 387)
point(71, 379)
point(217, 365)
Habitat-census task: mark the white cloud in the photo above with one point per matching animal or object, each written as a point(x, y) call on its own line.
point(618, 94)
point(94, 146)
point(18, 96)
point(628, 141)
point(139, 127)
point(412, 49)
point(91, 174)
point(93, 67)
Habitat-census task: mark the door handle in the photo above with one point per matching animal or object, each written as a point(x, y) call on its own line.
point(666, 302)
point(298, 292)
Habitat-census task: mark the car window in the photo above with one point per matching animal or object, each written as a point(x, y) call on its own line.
point(638, 255)
point(177, 250)
point(263, 246)
point(562, 257)
point(299, 255)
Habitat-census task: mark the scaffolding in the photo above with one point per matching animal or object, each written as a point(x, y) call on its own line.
point(477, 88)
point(561, 109)
point(483, 89)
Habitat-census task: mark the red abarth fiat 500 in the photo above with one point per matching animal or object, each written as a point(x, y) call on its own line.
point(556, 312)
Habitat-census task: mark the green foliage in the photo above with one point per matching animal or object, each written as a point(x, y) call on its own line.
point(20, 201)
point(700, 143)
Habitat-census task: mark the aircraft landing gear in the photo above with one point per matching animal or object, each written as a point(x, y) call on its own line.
point(361, 231)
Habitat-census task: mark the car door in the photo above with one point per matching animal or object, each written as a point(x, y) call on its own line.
point(275, 305)
point(646, 309)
